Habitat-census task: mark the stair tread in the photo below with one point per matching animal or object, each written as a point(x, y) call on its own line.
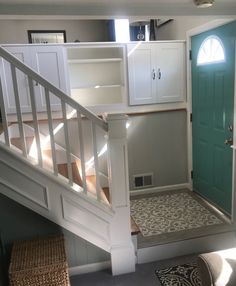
point(90, 180)
point(91, 185)
point(134, 227)
point(63, 170)
point(17, 142)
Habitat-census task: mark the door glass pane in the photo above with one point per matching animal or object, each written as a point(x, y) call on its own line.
point(211, 51)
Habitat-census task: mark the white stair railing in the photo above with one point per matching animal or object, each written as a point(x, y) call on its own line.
point(68, 106)
point(117, 229)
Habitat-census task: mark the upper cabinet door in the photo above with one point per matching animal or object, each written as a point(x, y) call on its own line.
point(49, 62)
point(170, 72)
point(156, 72)
point(22, 53)
point(142, 74)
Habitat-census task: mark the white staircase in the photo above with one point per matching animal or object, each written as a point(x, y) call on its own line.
point(52, 181)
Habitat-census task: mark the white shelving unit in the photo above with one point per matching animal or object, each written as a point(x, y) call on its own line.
point(91, 61)
point(96, 74)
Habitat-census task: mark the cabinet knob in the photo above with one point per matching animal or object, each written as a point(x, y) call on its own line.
point(153, 74)
point(159, 73)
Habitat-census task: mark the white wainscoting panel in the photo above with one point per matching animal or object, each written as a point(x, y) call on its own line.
point(76, 214)
point(24, 185)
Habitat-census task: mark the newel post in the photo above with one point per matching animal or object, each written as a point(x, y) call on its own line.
point(122, 248)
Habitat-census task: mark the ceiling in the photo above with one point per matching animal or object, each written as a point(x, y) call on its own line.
point(172, 2)
point(114, 8)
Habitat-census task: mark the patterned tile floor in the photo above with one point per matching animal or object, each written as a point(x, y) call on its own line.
point(176, 216)
point(171, 212)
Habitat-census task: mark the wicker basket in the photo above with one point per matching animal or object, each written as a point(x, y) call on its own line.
point(39, 262)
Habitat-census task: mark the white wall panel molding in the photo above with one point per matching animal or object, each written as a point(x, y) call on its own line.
point(42, 193)
point(24, 185)
point(13, 158)
point(85, 219)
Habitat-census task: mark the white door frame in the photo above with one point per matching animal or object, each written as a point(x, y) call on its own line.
point(189, 34)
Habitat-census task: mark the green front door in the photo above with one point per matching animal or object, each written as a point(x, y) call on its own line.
point(213, 66)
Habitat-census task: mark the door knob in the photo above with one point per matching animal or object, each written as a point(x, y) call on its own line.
point(229, 141)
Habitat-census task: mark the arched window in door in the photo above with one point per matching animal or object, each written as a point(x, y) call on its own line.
point(211, 51)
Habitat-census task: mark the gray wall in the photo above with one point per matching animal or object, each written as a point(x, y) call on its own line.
point(177, 29)
point(18, 222)
point(157, 143)
point(15, 31)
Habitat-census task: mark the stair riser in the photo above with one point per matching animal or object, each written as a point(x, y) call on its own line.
point(186, 247)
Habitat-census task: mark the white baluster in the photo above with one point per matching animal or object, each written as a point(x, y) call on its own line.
point(53, 89)
point(96, 163)
point(35, 121)
point(68, 151)
point(4, 117)
point(82, 157)
point(50, 127)
point(18, 111)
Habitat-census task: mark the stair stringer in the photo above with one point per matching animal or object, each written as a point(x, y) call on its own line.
point(52, 198)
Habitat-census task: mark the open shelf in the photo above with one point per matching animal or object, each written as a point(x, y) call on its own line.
point(98, 96)
point(94, 61)
point(98, 86)
point(96, 75)
point(99, 52)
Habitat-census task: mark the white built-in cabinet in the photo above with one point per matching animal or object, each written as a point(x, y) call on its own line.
point(22, 53)
point(156, 72)
point(96, 74)
point(48, 61)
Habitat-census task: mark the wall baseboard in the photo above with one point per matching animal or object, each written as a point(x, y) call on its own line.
point(88, 268)
point(160, 189)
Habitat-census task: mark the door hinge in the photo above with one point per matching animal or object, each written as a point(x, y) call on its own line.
point(190, 55)
point(191, 174)
point(191, 117)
